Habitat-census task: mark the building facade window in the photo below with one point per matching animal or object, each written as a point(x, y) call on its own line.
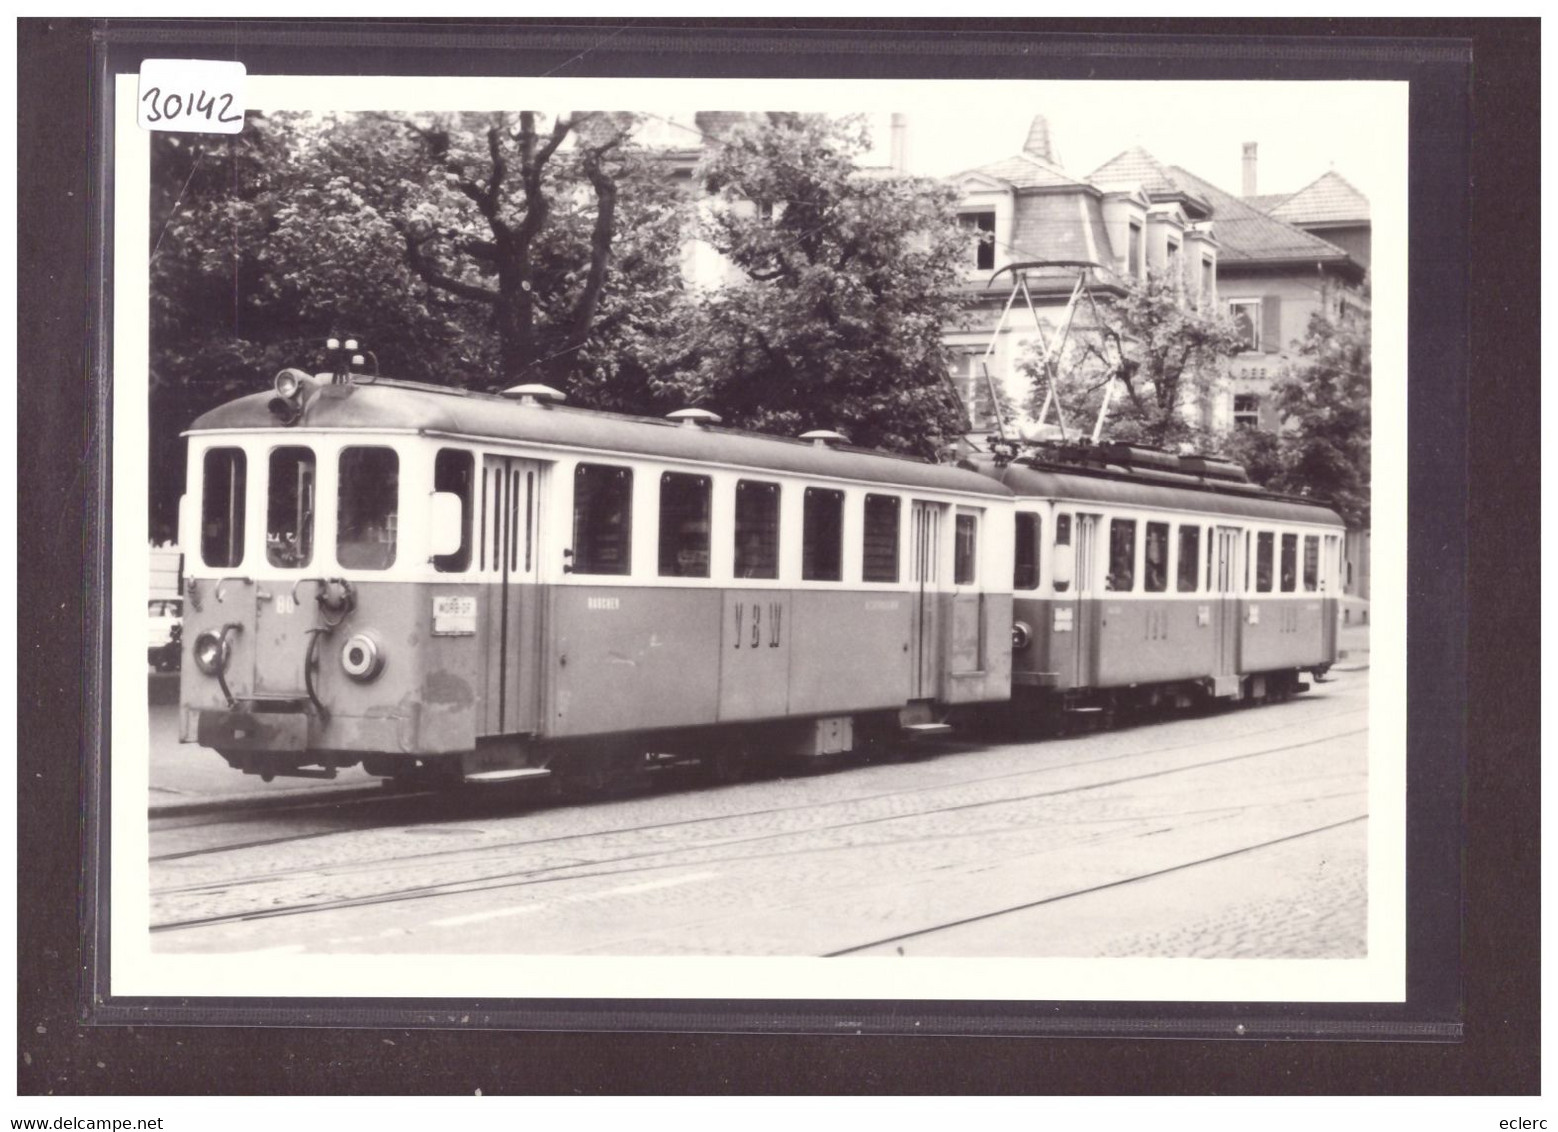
point(982, 224)
point(1246, 322)
point(1208, 279)
point(968, 377)
point(1246, 410)
point(1134, 263)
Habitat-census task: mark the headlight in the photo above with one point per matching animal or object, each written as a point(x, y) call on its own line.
point(211, 652)
point(362, 657)
point(1022, 636)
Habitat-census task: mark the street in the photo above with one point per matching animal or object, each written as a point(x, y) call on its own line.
point(1239, 834)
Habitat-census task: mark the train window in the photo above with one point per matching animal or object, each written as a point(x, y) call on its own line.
point(757, 529)
point(1062, 538)
point(221, 511)
point(289, 512)
point(879, 555)
point(1289, 563)
point(454, 470)
point(1311, 563)
point(1263, 545)
point(1189, 558)
point(822, 535)
point(684, 525)
point(1025, 575)
point(1122, 556)
point(965, 547)
point(367, 508)
point(602, 519)
point(1155, 579)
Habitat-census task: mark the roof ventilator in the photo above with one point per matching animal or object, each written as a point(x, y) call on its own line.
point(535, 395)
point(693, 418)
point(824, 438)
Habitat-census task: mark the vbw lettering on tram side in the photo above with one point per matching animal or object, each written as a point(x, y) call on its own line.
point(754, 638)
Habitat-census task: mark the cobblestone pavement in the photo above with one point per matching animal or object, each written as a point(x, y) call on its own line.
point(1239, 834)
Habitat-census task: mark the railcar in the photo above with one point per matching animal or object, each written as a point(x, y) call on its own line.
point(437, 583)
point(1142, 577)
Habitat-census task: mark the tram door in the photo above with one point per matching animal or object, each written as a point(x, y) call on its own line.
point(508, 555)
point(1224, 585)
point(1331, 575)
point(1086, 617)
point(925, 636)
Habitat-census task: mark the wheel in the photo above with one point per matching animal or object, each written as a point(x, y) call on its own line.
point(729, 765)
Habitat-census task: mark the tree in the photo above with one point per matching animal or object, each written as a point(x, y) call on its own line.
point(1165, 354)
point(378, 226)
point(847, 282)
point(1325, 403)
point(503, 223)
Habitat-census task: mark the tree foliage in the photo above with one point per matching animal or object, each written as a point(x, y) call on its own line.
point(845, 285)
point(467, 249)
point(1325, 402)
point(1164, 354)
point(482, 250)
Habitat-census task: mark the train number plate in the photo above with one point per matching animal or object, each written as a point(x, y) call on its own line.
point(454, 616)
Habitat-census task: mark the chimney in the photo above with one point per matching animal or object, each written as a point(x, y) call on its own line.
point(900, 150)
point(1249, 169)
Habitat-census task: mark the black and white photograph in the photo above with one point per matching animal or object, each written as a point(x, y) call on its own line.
point(688, 539)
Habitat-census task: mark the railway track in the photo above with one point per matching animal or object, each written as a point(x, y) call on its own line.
point(1090, 890)
point(590, 855)
point(360, 812)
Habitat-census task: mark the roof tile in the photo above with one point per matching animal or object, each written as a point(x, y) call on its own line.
point(1024, 171)
point(1328, 199)
point(1247, 234)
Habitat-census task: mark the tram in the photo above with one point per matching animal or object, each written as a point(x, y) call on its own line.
point(454, 586)
point(1145, 579)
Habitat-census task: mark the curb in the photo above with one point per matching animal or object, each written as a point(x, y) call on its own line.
point(267, 801)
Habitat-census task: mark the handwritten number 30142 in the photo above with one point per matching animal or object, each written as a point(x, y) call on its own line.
point(190, 105)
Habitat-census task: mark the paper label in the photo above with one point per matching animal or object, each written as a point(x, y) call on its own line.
point(201, 96)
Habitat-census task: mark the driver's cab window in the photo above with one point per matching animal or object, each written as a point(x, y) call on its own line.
point(368, 508)
point(289, 512)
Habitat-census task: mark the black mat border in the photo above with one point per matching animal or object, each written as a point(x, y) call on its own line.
point(60, 439)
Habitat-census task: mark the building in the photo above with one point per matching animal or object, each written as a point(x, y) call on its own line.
point(1272, 274)
point(1026, 209)
point(1269, 262)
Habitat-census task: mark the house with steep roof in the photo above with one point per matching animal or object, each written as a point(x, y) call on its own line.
point(1027, 211)
point(1328, 207)
point(1269, 262)
point(1272, 274)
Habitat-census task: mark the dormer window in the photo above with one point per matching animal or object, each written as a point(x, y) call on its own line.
point(983, 225)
